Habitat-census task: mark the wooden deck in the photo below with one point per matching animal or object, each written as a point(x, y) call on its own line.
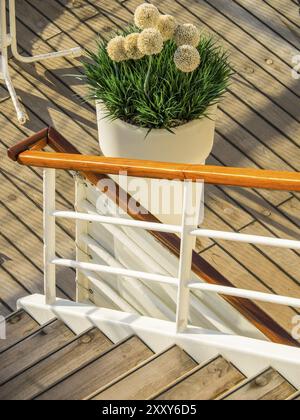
point(258, 126)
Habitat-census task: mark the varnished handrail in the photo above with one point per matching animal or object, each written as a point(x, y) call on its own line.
point(216, 175)
point(259, 318)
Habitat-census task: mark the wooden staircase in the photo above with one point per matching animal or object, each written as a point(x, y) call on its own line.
point(50, 362)
point(18, 326)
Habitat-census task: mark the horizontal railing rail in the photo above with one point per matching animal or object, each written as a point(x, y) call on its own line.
point(217, 175)
point(93, 165)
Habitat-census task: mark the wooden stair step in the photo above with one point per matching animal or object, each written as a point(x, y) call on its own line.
point(99, 372)
point(33, 348)
point(149, 378)
point(268, 386)
point(56, 366)
point(295, 397)
point(18, 326)
point(205, 382)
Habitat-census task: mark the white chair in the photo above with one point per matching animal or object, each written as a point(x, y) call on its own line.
point(9, 39)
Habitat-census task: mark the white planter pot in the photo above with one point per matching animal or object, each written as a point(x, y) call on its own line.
point(191, 143)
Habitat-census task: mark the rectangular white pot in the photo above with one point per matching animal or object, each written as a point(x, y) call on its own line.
point(191, 143)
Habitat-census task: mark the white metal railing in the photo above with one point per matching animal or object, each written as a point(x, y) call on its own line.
point(188, 232)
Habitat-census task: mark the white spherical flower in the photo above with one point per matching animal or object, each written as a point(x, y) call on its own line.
point(150, 42)
point(166, 25)
point(131, 47)
point(187, 34)
point(146, 16)
point(187, 58)
point(116, 49)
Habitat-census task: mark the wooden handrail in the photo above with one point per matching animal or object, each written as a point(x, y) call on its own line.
point(217, 175)
point(254, 314)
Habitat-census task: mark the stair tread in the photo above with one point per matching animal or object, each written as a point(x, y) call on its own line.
point(27, 352)
point(18, 326)
point(150, 378)
point(101, 371)
point(270, 386)
point(56, 366)
point(205, 382)
point(296, 397)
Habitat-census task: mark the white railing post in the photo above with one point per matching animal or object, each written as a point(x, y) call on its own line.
point(49, 236)
point(190, 221)
point(82, 283)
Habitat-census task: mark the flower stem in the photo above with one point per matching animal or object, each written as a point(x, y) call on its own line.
point(146, 84)
point(116, 69)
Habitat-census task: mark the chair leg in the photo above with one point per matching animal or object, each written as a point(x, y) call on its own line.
point(21, 113)
point(5, 40)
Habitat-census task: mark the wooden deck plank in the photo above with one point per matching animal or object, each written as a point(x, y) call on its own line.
point(12, 287)
point(256, 29)
point(204, 383)
point(28, 15)
point(4, 310)
point(26, 247)
point(296, 397)
point(18, 326)
point(57, 365)
point(266, 153)
point(115, 9)
point(116, 18)
point(267, 214)
point(99, 372)
point(285, 259)
point(34, 98)
point(263, 269)
point(240, 277)
point(254, 203)
point(252, 121)
point(275, 21)
point(269, 386)
point(291, 209)
point(221, 218)
point(10, 135)
point(27, 352)
point(226, 209)
point(266, 270)
point(82, 9)
point(226, 154)
point(155, 375)
point(21, 195)
point(288, 9)
point(72, 28)
point(29, 180)
point(30, 184)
